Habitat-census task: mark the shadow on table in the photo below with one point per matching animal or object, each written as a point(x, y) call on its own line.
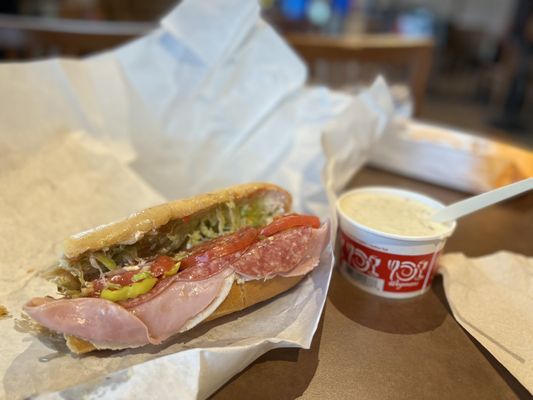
point(293, 371)
point(409, 316)
point(520, 391)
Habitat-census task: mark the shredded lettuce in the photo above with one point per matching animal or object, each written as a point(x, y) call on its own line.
point(106, 261)
point(207, 231)
point(173, 239)
point(194, 238)
point(67, 281)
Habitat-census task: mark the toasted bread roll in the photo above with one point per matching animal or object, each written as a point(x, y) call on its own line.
point(135, 226)
point(168, 230)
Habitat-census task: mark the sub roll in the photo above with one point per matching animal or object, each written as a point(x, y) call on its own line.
point(168, 268)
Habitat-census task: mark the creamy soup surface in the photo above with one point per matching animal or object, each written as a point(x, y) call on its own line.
point(392, 213)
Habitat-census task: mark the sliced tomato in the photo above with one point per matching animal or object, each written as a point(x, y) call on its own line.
point(220, 247)
point(121, 277)
point(97, 285)
point(289, 221)
point(162, 264)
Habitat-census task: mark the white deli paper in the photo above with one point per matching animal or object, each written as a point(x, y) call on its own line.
point(450, 157)
point(492, 298)
point(179, 112)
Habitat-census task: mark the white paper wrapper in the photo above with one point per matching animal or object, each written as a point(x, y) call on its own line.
point(450, 157)
point(179, 112)
point(492, 298)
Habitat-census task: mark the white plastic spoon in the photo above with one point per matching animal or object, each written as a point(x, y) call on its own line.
point(473, 204)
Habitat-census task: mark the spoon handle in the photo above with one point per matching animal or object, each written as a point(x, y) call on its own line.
point(472, 204)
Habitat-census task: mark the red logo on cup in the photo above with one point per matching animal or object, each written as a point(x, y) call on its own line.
point(387, 272)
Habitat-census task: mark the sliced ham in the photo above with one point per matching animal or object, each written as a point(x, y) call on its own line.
point(166, 313)
point(109, 325)
point(98, 320)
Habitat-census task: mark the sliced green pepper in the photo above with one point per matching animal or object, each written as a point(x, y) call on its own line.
point(130, 291)
point(107, 261)
point(140, 276)
point(174, 270)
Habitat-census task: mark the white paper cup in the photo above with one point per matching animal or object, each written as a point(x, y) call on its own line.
point(387, 264)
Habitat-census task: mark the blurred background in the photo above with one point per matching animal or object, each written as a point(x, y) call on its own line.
point(463, 63)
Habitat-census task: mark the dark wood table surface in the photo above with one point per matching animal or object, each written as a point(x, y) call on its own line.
point(367, 347)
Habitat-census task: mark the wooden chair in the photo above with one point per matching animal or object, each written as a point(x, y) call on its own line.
point(30, 37)
point(413, 54)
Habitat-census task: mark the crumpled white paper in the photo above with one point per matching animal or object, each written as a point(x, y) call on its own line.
point(181, 111)
point(450, 157)
point(492, 298)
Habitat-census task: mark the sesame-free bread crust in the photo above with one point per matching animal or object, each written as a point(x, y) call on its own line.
point(246, 294)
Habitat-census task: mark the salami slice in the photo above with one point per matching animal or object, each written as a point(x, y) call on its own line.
point(208, 269)
point(277, 254)
point(280, 254)
point(312, 257)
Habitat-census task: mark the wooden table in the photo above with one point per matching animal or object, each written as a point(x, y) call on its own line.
point(372, 348)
